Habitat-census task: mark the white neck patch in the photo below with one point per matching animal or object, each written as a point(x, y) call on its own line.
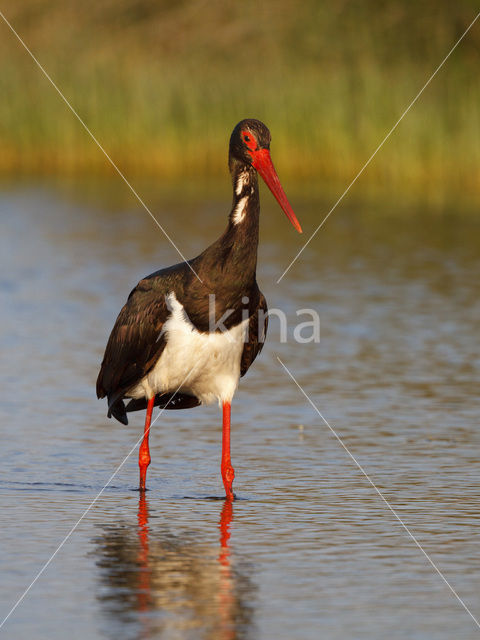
point(242, 180)
point(240, 210)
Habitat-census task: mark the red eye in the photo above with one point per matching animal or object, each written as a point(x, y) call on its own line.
point(249, 140)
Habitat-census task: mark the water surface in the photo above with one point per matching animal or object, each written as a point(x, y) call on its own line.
point(309, 549)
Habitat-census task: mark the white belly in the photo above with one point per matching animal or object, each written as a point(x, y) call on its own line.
point(206, 365)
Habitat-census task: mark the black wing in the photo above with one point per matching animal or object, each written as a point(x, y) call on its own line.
point(135, 344)
point(257, 330)
point(165, 401)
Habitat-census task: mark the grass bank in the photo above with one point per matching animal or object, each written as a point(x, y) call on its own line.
point(161, 85)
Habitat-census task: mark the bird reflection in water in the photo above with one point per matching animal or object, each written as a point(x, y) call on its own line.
point(168, 585)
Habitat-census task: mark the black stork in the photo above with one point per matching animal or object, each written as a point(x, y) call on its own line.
point(163, 349)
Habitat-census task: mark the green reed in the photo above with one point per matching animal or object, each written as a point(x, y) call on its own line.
point(329, 85)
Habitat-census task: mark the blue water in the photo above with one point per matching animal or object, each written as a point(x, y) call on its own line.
point(310, 549)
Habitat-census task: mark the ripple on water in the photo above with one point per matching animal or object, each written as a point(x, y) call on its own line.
point(309, 549)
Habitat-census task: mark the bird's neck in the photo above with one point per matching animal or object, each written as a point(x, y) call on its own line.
point(246, 204)
point(229, 264)
point(241, 235)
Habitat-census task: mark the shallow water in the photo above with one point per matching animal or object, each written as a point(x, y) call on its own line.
point(309, 549)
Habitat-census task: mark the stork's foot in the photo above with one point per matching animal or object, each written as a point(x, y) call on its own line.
point(144, 451)
point(143, 462)
point(228, 475)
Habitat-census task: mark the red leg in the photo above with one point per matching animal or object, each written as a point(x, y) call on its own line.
point(228, 473)
point(144, 451)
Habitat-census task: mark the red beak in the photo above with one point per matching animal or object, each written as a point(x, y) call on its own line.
point(262, 162)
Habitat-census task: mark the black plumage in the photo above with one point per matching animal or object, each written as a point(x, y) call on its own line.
point(227, 269)
point(168, 327)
